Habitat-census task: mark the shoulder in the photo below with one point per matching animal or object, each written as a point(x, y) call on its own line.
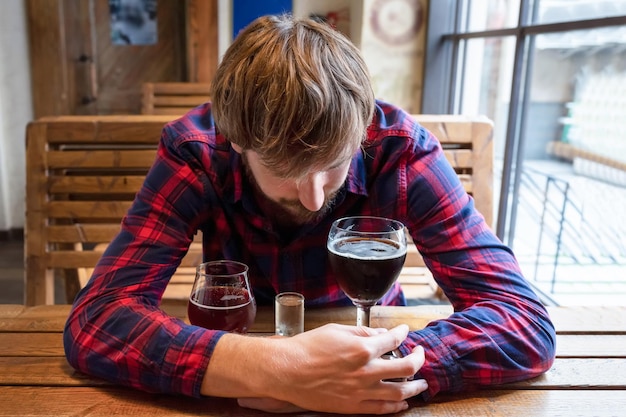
point(193, 141)
point(197, 125)
point(393, 126)
point(194, 132)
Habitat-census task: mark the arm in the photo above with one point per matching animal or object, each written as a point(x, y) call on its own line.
point(116, 330)
point(500, 332)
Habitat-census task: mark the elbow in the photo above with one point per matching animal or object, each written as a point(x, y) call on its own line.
point(72, 334)
point(546, 344)
point(80, 340)
point(538, 347)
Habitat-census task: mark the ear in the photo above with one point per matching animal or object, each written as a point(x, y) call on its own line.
point(236, 147)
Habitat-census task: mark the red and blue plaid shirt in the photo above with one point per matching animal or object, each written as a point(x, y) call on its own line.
point(499, 332)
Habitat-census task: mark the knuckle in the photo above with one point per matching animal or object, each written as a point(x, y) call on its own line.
point(414, 363)
point(362, 355)
point(399, 393)
point(413, 367)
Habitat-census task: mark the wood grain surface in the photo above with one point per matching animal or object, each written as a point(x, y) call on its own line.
point(588, 377)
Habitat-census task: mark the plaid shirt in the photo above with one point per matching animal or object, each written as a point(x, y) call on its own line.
point(499, 332)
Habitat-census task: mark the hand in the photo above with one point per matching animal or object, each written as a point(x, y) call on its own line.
point(338, 368)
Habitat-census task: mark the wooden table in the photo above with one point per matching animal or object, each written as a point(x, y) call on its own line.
point(587, 379)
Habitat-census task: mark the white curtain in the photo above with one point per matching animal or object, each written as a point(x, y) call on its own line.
point(15, 111)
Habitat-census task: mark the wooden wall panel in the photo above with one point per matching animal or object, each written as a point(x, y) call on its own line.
point(202, 40)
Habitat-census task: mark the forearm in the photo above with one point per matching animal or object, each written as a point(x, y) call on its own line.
point(241, 366)
point(471, 349)
point(500, 332)
point(129, 342)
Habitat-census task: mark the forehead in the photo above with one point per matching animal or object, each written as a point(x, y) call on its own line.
point(299, 166)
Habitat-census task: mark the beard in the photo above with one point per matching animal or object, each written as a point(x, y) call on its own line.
point(292, 212)
point(286, 212)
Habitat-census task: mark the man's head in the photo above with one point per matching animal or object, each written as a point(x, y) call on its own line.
point(294, 91)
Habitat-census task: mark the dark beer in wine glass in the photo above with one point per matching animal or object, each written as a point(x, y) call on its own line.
point(366, 254)
point(366, 268)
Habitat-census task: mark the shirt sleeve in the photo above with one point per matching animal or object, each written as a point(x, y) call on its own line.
point(116, 329)
point(499, 331)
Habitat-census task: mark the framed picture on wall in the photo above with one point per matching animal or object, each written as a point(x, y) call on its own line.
point(133, 22)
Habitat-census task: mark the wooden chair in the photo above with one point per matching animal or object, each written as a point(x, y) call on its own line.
point(175, 98)
point(82, 175)
point(468, 146)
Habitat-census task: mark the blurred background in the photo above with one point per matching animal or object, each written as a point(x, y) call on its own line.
point(551, 74)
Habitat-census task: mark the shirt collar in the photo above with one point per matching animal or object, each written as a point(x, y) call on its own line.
point(357, 175)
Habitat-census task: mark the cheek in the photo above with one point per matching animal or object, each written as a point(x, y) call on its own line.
point(335, 180)
point(278, 189)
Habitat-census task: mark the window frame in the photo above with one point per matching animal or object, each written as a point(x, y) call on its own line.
point(442, 83)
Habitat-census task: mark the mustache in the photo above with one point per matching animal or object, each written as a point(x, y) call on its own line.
point(290, 210)
point(329, 200)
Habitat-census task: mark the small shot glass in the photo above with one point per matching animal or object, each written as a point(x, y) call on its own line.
point(289, 313)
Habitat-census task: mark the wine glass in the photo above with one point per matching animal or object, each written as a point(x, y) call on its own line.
point(221, 298)
point(367, 254)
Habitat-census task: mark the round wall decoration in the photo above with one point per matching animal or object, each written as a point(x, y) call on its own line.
point(396, 22)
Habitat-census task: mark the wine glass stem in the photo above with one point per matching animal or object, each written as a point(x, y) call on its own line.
point(363, 316)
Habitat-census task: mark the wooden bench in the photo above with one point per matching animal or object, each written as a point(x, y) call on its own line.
point(175, 98)
point(467, 143)
point(82, 175)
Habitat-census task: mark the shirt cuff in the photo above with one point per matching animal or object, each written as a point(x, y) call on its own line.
point(440, 370)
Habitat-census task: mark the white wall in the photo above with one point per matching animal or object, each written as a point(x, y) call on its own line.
point(15, 111)
point(303, 8)
point(224, 26)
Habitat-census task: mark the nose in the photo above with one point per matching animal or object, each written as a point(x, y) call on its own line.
point(311, 191)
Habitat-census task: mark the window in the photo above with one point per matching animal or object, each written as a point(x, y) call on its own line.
point(551, 74)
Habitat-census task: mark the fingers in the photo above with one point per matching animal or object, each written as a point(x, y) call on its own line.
point(385, 341)
point(269, 405)
point(395, 395)
point(397, 370)
point(382, 407)
point(397, 392)
point(403, 390)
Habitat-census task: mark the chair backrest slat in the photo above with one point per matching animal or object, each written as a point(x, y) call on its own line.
point(82, 175)
point(173, 98)
point(106, 184)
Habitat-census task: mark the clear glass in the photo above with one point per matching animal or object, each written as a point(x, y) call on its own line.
point(567, 229)
point(289, 313)
point(486, 72)
point(221, 297)
point(366, 254)
point(553, 11)
point(483, 15)
point(570, 228)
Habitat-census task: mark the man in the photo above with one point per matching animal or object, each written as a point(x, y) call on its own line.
point(292, 140)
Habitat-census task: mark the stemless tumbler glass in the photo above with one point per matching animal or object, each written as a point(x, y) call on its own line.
point(221, 297)
point(289, 313)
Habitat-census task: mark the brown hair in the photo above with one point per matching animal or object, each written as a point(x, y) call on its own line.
point(295, 91)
